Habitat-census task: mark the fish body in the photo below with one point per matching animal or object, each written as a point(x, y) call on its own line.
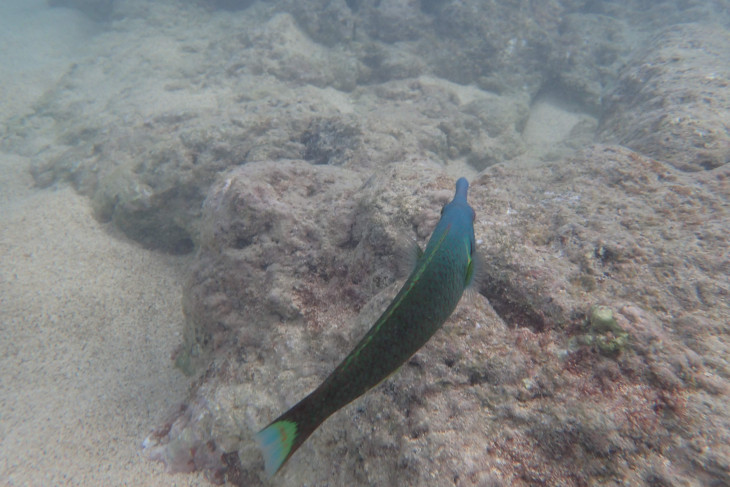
point(422, 305)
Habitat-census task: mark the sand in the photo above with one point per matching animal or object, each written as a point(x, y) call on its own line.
point(88, 320)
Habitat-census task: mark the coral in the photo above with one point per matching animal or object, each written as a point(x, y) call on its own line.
point(604, 332)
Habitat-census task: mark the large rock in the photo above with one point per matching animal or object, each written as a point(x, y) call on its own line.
point(598, 357)
point(148, 157)
point(187, 98)
point(589, 53)
point(672, 98)
point(310, 235)
point(356, 83)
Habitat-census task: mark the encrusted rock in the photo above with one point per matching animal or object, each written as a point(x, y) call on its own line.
point(491, 385)
point(671, 99)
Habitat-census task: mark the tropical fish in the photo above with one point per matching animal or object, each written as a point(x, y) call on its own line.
point(422, 305)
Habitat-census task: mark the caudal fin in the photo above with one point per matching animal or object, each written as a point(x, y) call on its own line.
point(276, 441)
point(279, 440)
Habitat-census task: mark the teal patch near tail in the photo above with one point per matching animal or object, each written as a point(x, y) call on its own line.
point(275, 442)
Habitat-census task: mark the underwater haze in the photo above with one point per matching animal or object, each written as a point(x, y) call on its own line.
point(206, 204)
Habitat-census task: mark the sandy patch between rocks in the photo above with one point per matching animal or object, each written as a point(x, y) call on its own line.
point(88, 322)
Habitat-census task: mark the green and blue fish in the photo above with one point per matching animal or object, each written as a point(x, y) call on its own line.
point(426, 300)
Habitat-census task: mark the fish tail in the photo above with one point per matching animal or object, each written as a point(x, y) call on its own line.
point(276, 442)
point(279, 440)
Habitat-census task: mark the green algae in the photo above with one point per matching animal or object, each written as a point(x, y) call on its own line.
point(604, 333)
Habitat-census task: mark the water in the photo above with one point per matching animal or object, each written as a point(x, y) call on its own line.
point(264, 164)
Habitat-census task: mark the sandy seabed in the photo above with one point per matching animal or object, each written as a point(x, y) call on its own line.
point(87, 320)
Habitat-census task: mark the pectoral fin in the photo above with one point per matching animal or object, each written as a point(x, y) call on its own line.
point(408, 256)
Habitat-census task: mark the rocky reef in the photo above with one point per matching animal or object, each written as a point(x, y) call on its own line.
point(609, 245)
point(670, 101)
point(296, 147)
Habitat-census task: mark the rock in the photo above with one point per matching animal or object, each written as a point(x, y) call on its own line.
point(252, 217)
point(147, 152)
point(327, 22)
point(500, 380)
point(283, 50)
point(590, 51)
point(671, 99)
point(148, 172)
